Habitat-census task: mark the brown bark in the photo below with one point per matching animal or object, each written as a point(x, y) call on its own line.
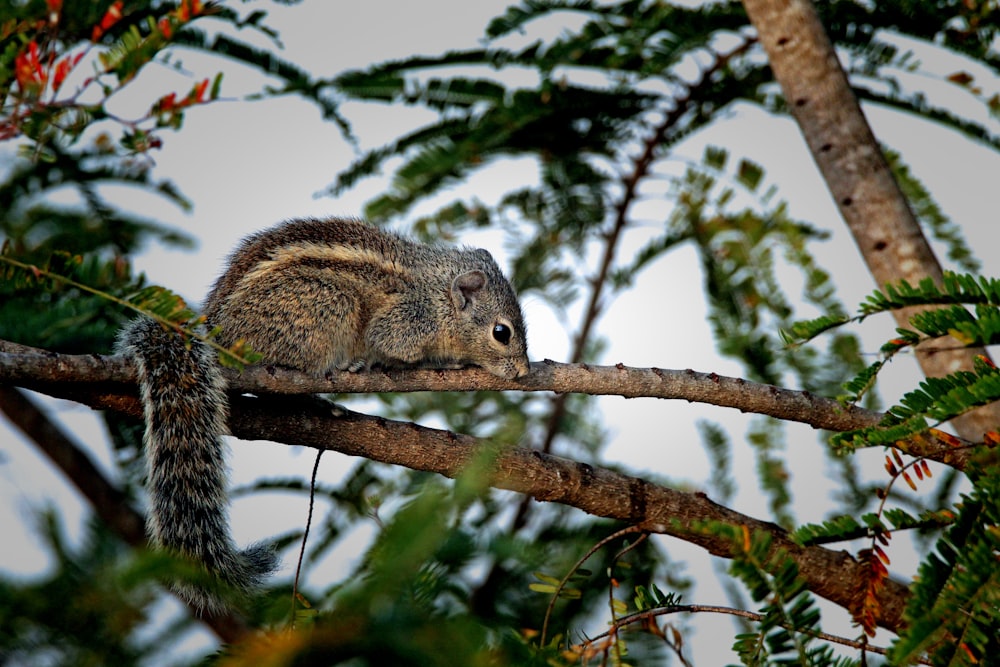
point(599, 491)
point(81, 376)
point(859, 178)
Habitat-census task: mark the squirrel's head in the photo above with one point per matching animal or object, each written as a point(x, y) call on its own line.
point(490, 322)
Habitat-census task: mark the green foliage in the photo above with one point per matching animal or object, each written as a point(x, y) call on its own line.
point(955, 609)
point(652, 597)
point(410, 597)
point(786, 633)
point(937, 400)
point(61, 304)
point(456, 572)
point(846, 527)
point(955, 289)
point(85, 611)
point(951, 318)
point(954, 612)
point(719, 449)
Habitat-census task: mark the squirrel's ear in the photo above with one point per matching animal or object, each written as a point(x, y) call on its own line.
point(466, 288)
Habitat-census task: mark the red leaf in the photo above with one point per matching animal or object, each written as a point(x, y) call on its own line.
point(63, 68)
point(166, 28)
point(167, 103)
point(28, 69)
point(198, 93)
point(111, 17)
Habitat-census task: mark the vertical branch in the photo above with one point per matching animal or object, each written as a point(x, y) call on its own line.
point(852, 164)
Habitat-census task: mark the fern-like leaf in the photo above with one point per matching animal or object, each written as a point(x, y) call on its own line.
point(955, 609)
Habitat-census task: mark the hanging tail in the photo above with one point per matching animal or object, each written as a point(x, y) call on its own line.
point(186, 409)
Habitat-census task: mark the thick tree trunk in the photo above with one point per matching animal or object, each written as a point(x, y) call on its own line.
point(876, 211)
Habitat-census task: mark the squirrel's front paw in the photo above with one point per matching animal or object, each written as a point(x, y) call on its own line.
point(355, 366)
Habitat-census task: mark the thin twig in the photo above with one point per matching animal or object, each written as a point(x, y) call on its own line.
point(305, 533)
point(616, 626)
point(576, 566)
point(612, 585)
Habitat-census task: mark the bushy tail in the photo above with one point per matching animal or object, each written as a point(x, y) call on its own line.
point(184, 398)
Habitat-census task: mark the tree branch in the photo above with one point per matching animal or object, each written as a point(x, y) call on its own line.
point(68, 376)
point(598, 491)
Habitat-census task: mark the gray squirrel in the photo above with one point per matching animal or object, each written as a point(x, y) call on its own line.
point(313, 295)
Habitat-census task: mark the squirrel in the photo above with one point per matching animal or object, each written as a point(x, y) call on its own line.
point(317, 296)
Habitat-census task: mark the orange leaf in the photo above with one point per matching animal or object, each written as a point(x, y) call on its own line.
point(866, 609)
point(909, 480)
point(946, 438)
point(889, 466)
point(188, 10)
point(972, 657)
point(163, 25)
point(986, 360)
point(882, 555)
point(111, 17)
point(198, 94)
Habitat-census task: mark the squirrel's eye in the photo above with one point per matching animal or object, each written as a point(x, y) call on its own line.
point(501, 333)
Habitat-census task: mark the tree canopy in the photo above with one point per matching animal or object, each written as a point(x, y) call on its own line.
point(464, 571)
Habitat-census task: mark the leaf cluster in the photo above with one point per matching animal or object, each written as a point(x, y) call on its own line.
point(953, 613)
point(99, 596)
point(955, 609)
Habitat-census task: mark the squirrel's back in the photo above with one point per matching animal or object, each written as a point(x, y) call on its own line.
point(319, 295)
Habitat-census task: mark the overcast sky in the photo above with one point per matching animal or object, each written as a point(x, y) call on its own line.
point(248, 165)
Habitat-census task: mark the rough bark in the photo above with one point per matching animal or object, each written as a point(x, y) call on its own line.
point(599, 491)
point(75, 374)
point(856, 172)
